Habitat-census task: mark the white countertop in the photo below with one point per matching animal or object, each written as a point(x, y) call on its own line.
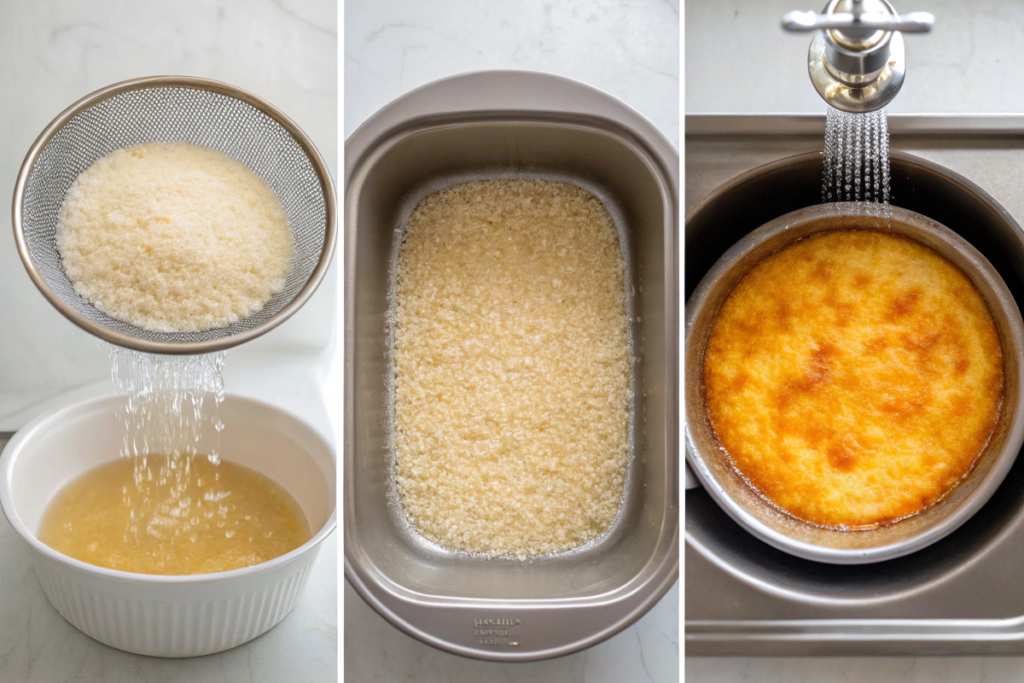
point(738, 60)
point(627, 48)
point(55, 52)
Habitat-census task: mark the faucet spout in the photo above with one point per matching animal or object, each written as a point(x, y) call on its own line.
point(856, 59)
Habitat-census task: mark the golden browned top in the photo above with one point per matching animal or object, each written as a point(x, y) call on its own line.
point(854, 377)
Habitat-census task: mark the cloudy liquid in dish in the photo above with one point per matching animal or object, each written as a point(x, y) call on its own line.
point(211, 518)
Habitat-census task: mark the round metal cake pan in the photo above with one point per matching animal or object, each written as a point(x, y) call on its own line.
point(714, 468)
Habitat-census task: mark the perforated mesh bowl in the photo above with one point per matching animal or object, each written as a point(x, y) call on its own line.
point(170, 109)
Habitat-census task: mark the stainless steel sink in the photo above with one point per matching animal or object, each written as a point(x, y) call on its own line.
point(959, 596)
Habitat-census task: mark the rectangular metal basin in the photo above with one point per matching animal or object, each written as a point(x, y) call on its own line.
point(549, 604)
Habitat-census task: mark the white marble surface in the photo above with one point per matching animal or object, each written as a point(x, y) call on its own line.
point(54, 52)
point(739, 60)
point(629, 48)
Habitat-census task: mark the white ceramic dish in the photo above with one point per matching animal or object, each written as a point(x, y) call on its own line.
point(169, 616)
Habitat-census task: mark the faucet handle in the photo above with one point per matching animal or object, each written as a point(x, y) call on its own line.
point(913, 22)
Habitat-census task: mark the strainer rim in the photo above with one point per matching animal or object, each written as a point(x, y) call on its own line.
point(194, 83)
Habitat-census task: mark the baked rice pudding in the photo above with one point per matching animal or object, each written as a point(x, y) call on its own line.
point(853, 377)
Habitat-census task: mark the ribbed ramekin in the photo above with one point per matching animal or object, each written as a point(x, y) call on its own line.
point(169, 616)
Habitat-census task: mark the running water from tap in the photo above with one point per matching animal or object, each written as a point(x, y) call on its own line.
point(856, 157)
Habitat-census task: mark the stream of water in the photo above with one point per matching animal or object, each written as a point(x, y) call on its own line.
point(856, 157)
point(171, 410)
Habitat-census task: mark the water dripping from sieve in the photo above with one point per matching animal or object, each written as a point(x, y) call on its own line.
point(170, 416)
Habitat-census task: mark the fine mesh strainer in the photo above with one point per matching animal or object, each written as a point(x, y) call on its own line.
point(170, 109)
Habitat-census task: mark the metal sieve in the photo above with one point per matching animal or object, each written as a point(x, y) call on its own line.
point(171, 109)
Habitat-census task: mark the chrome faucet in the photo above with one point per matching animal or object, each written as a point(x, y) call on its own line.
point(856, 60)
